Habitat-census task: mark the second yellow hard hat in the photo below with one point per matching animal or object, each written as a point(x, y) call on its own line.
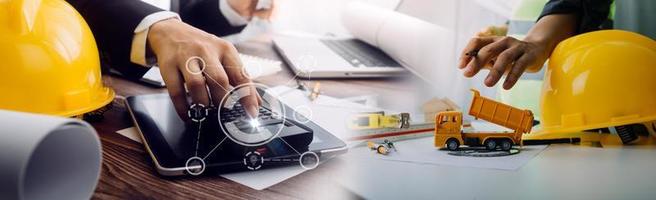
point(598, 80)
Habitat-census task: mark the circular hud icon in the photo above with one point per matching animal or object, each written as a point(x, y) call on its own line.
point(245, 129)
point(197, 112)
point(253, 160)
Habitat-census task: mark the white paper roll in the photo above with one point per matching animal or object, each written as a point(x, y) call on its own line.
point(419, 46)
point(46, 157)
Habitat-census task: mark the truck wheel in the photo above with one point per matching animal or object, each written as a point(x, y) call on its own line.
point(490, 144)
point(452, 144)
point(506, 145)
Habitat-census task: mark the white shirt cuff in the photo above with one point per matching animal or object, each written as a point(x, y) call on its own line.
point(138, 50)
point(231, 15)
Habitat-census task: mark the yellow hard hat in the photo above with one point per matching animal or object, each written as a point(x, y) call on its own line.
point(598, 80)
point(49, 59)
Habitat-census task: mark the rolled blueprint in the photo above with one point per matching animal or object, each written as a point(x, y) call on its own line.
point(419, 46)
point(46, 157)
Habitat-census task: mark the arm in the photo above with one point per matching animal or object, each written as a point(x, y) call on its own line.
point(560, 20)
point(173, 43)
point(207, 15)
point(113, 24)
point(590, 14)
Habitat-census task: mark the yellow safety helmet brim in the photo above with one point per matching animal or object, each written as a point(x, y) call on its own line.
point(584, 137)
point(103, 99)
point(563, 130)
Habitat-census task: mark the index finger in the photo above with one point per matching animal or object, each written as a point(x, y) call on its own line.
point(473, 46)
point(237, 76)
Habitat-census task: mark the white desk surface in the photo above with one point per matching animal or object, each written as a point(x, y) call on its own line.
point(559, 172)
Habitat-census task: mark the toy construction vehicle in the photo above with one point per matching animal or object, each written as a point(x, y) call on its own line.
point(379, 120)
point(383, 148)
point(448, 125)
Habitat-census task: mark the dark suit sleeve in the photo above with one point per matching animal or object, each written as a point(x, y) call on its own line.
point(592, 14)
point(206, 15)
point(112, 23)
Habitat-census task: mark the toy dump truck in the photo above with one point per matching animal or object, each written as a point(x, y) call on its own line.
point(448, 125)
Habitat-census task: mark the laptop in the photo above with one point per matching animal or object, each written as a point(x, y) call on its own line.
point(335, 58)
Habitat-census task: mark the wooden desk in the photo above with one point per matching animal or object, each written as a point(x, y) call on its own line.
point(128, 172)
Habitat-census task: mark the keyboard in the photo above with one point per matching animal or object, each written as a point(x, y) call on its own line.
point(359, 53)
point(238, 115)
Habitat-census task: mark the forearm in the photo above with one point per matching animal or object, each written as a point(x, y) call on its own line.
point(551, 30)
point(113, 24)
point(591, 15)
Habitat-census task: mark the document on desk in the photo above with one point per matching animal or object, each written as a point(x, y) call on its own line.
point(324, 111)
point(328, 112)
point(423, 151)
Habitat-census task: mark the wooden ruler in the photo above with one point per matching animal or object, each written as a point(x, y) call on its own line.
point(394, 134)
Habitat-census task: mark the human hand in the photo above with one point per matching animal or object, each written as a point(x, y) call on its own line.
point(206, 64)
point(502, 55)
point(247, 8)
point(507, 55)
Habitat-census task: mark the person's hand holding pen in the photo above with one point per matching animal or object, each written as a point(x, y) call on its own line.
point(502, 55)
point(249, 8)
point(507, 55)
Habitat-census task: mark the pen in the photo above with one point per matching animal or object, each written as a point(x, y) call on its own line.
point(472, 53)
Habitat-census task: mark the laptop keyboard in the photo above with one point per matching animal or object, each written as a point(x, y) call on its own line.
point(359, 53)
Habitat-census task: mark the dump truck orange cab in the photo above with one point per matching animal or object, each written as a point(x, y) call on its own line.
point(448, 125)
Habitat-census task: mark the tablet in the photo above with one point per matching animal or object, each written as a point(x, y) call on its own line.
point(183, 148)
